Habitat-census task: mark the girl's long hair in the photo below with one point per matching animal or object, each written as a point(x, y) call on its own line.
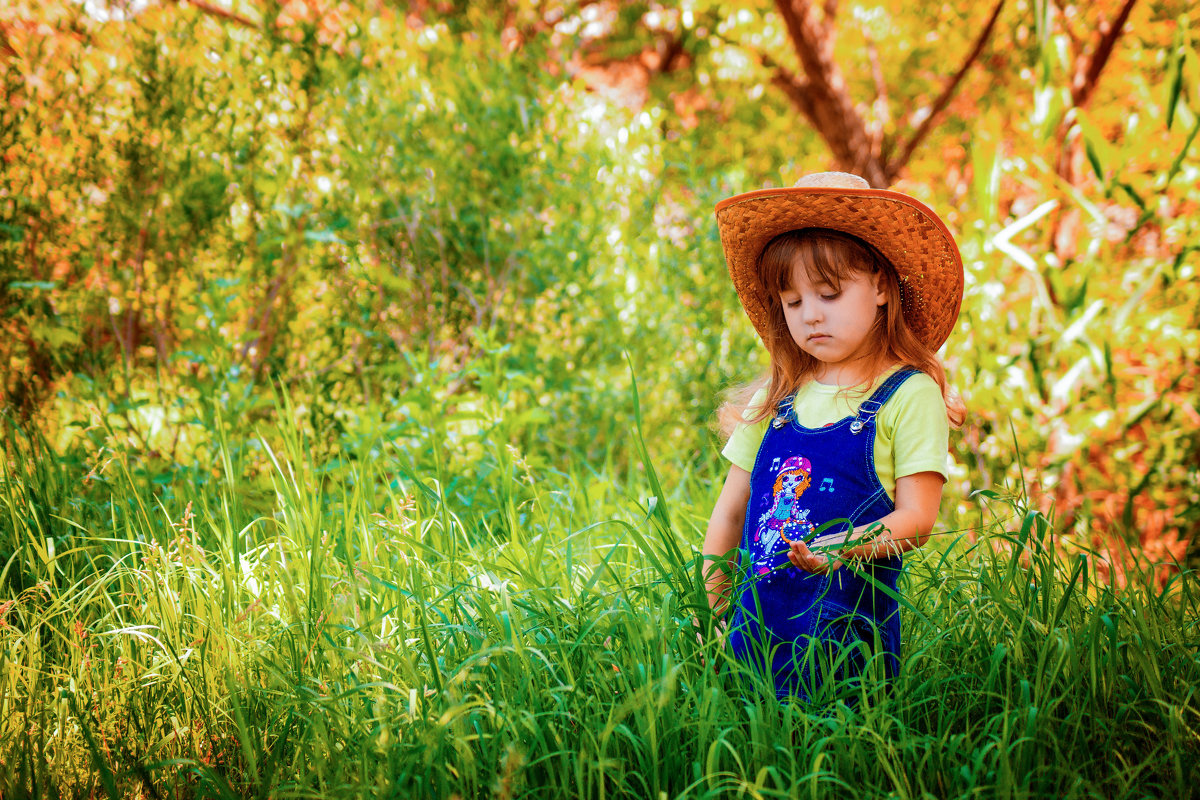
point(829, 256)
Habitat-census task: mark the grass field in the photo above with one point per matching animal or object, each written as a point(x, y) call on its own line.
point(364, 628)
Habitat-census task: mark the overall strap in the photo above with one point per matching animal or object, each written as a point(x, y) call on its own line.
point(872, 404)
point(783, 411)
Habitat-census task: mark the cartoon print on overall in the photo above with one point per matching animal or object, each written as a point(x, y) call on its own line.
point(783, 520)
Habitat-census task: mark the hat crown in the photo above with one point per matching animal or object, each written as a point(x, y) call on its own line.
point(832, 180)
point(910, 236)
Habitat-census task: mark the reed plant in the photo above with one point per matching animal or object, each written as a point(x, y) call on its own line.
point(359, 629)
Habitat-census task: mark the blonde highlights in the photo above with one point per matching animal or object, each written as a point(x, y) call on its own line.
point(828, 256)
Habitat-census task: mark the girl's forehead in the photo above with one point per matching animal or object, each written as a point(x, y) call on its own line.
point(804, 276)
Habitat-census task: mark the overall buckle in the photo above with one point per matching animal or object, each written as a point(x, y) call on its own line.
point(864, 415)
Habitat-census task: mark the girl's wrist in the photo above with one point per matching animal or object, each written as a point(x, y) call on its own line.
point(881, 546)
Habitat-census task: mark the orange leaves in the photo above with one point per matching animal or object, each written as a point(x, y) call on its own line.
point(329, 18)
point(58, 202)
point(1129, 489)
point(7, 50)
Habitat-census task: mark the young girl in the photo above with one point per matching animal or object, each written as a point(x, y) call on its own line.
point(838, 456)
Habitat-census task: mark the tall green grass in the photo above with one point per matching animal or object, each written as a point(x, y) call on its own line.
point(363, 633)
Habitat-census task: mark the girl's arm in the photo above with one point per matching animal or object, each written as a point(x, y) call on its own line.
point(724, 534)
point(918, 498)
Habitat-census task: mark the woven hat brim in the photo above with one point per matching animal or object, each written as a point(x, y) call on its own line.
point(904, 230)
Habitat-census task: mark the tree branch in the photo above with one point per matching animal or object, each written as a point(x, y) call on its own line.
point(830, 8)
point(1086, 80)
point(7, 51)
point(792, 85)
point(1064, 225)
point(796, 90)
point(216, 11)
point(881, 106)
point(1083, 85)
point(895, 165)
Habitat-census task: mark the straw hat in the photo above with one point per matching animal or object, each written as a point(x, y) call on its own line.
point(904, 230)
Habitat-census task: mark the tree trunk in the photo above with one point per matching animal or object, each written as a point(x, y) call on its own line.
point(821, 95)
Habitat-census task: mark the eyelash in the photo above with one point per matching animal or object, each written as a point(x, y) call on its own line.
point(796, 304)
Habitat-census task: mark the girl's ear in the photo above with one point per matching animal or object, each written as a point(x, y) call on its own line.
point(881, 288)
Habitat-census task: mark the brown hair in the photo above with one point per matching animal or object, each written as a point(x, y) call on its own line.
point(829, 256)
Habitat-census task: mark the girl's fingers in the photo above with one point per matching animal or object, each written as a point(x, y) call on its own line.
point(807, 560)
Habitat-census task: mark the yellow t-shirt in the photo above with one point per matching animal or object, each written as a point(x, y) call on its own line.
point(912, 433)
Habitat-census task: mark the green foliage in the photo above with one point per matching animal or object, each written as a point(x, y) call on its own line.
point(351, 634)
point(336, 204)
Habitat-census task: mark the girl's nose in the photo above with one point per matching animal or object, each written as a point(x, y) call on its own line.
point(812, 313)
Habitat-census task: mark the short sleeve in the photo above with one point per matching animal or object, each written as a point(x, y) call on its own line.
point(915, 422)
point(742, 447)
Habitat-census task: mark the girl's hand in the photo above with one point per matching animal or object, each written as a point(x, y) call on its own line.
point(807, 560)
point(719, 631)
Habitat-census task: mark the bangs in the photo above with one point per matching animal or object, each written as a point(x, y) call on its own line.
point(827, 256)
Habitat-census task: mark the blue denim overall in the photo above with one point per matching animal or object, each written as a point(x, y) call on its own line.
point(802, 478)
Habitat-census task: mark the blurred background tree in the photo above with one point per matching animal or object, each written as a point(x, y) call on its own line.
point(450, 221)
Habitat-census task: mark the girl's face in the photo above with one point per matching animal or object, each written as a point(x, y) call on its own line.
point(834, 324)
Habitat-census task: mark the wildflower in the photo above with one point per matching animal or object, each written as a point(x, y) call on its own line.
point(4, 607)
